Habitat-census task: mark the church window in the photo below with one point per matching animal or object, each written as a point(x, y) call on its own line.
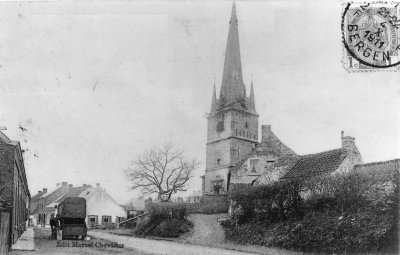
point(220, 126)
point(235, 152)
point(233, 124)
point(217, 186)
point(246, 125)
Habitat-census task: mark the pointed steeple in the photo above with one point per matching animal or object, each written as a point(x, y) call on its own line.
point(214, 99)
point(232, 88)
point(252, 102)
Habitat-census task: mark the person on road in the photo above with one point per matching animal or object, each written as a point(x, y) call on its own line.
point(53, 226)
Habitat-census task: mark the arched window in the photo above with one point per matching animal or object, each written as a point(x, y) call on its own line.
point(220, 126)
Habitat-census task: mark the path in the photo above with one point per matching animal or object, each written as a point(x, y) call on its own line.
point(206, 230)
point(25, 242)
point(163, 247)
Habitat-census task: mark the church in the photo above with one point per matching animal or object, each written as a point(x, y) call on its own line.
point(234, 154)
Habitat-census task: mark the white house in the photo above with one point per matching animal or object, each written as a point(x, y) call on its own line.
point(101, 208)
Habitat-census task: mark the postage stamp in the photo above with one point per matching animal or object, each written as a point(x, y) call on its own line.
point(371, 36)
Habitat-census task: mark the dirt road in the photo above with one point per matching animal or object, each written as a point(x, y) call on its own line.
point(45, 245)
point(163, 247)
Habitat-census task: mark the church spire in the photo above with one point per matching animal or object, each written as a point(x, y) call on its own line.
point(214, 99)
point(252, 101)
point(232, 88)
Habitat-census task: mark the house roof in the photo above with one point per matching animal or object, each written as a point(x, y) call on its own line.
point(272, 146)
point(380, 166)
point(316, 164)
point(35, 197)
point(72, 192)
point(4, 138)
point(128, 207)
point(246, 179)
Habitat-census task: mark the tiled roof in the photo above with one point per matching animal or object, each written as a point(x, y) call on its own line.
point(316, 164)
point(72, 192)
point(272, 147)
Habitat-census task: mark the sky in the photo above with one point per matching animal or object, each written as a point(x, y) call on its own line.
point(96, 83)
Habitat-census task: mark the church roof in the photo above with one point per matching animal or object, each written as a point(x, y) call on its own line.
point(233, 91)
point(317, 164)
point(232, 87)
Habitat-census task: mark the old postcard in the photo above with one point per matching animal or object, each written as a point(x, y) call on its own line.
point(199, 127)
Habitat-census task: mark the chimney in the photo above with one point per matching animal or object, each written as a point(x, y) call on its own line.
point(40, 193)
point(97, 185)
point(71, 185)
point(265, 132)
point(44, 190)
point(64, 183)
point(348, 142)
point(84, 186)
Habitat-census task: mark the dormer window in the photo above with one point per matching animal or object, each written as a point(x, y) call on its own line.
point(253, 166)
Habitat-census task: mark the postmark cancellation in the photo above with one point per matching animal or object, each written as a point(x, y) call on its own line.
point(371, 37)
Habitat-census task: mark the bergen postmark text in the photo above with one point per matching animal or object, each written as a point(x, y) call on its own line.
point(371, 36)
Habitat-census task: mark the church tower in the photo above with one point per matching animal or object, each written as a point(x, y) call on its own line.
point(233, 121)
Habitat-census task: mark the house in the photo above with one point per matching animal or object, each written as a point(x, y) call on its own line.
point(101, 208)
point(44, 212)
point(33, 207)
point(51, 209)
point(268, 162)
point(341, 160)
point(130, 211)
point(14, 193)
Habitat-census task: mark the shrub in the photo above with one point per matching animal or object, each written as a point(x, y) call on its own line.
point(273, 203)
point(172, 228)
point(164, 220)
point(355, 213)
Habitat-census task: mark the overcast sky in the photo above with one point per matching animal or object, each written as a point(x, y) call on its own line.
point(96, 83)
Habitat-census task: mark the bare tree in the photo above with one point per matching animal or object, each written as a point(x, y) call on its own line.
point(161, 170)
